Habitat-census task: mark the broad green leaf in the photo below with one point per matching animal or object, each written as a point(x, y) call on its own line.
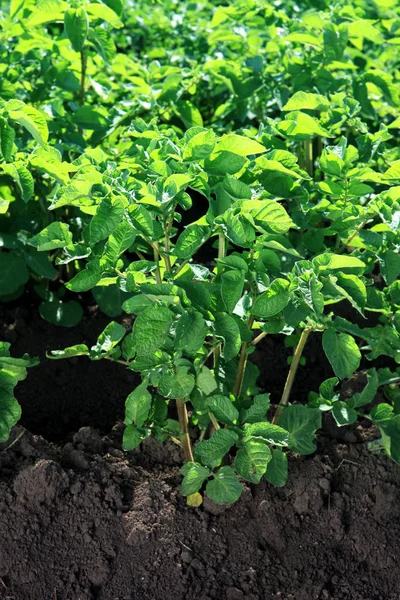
point(137, 406)
point(55, 235)
point(199, 146)
point(352, 288)
point(70, 352)
point(140, 218)
point(131, 438)
point(194, 477)
point(390, 265)
point(108, 216)
point(272, 301)
point(213, 450)
point(22, 178)
point(87, 117)
point(177, 384)
point(342, 352)
point(151, 328)
point(269, 215)
point(13, 273)
point(232, 283)
point(119, 241)
point(301, 422)
point(251, 462)
point(47, 11)
point(257, 412)
point(300, 126)
point(107, 340)
point(223, 409)
point(368, 394)
point(105, 13)
point(308, 101)
point(86, 279)
point(76, 25)
point(343, 413)
point(270, 434)
point(78, 192)
point(190, 240)
point(336, 262)
point(30, 118)
point(65, 314)
point(190, 115)
point(109, 299)
point(190, 332)
point(227, 328)
point(238, 144)
point(225, 488)
point(222, 162)
point(277, 468)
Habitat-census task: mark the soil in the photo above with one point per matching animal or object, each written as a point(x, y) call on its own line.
point(81, 520)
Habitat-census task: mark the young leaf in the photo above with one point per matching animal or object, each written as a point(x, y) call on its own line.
point(342, 352)
point(76, 24)
point(30, 118)
point(137, 406)
point(131, 438)
point(277, 468)
point(55, 235)
point(225, 488)
point(301, 422)
point(107, 340)
point(257, 411)
point(212, 451)
point(194, 477)
point(251, 462)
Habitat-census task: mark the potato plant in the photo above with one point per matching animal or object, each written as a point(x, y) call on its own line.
point(221, 173)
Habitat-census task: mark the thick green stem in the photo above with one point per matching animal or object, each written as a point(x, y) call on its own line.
point(184, 425)
point(83, 77)
point(308, 156)
point(221, 246)
point(242, 362)
point(291, 375)
point(167, 247)
point(258, 338)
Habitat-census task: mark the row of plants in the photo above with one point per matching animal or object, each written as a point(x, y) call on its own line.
point(223, 175)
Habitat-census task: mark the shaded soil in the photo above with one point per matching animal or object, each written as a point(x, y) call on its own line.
point(81, 520)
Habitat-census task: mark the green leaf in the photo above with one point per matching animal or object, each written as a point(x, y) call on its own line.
point(337, 262)
point(177, 384)
point(268, 215)
point(13, 273)
point(109, 299)
point(390, 265)
point(272, 301)
point(151, 328)
point(108, 216)
point(213, 450)
point(300, 126)
point(22, 178)
point(76, 25)
point(368, 393)
point(238, 144)
point(223, 409)
point(199, 146)
point(232, 283)
point(227, 328)
point(194, 477)
point(190, 115)
point(205, 381)
point(86, 279)
point(55, 235)
point(87, 117)
point(30, 118)
point(342, 352)
point(270, 434)
point(343, 413)
point(47, 11)
point(107, 340)
point(131, 438)
point(65, 314)
point(301, 422)
point(105, 13)
point(190, 240)
point(190, 332)
point(70, 352)
point(251, 461)
point(257, 411)
point(308, 101)
point(225, 488)
point(352, 288)
point(119, 241)
point(277, 468)
point(137, 406)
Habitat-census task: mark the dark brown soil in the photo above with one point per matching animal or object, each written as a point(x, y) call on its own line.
point(80, 519)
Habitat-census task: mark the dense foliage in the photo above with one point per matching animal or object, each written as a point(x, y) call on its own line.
point(222, 173)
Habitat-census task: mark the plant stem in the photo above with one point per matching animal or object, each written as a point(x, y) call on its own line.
point(221, 246)
point(257, 339)
point(83, 77)
point(184, 425)
point(308, 156)
point(291, 375)
point(237, 388)
point(166, 246)
point(214, 421)
point(157, 261)
point(352, 236)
